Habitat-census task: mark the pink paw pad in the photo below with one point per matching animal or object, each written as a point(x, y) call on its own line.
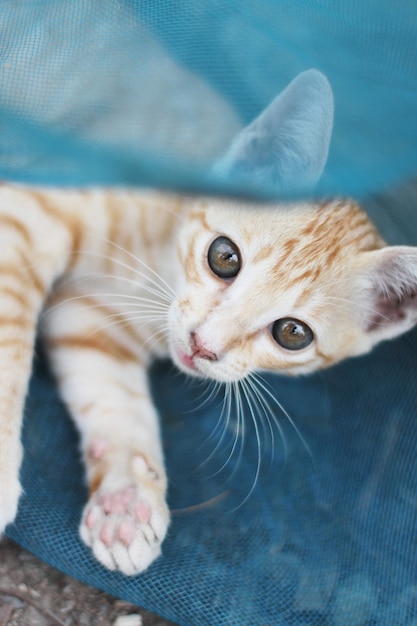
point(126, 533)
point(128, 495)
point(143, 512)
point(98, 448)
point(106, 503)
point(114, 503)
point(106, 534)
point(91, 519)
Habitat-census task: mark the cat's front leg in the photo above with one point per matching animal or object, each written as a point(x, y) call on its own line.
point(28, 265)
point(126, 517)
point(19, 304)
point(105, 386)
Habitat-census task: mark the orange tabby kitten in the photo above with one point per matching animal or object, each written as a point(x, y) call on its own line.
point(224, 287)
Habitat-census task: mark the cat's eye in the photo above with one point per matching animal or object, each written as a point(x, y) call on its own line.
point(224, 258)
point(292, 334)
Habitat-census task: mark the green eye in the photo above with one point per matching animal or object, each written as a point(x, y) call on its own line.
point(224, 258)
point(292, 334)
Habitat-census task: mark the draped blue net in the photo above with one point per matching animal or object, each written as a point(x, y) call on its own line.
point(321, 530)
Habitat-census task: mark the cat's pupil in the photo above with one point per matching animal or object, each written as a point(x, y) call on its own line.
point(224, 258)
point(292, 334)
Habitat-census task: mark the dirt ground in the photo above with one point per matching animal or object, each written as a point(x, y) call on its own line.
point(35, 594)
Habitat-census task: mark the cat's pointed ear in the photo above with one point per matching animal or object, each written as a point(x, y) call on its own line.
point(288, 143)
point(391, 277)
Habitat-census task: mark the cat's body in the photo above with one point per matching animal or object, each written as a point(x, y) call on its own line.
point(224, 288)
point(81, 276)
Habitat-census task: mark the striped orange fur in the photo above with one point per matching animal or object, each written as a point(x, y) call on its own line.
point(117, 278)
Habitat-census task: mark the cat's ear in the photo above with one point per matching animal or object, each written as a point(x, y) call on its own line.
point(288, 143)
point(391, 292)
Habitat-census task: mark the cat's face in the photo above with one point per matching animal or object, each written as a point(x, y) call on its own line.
point(289, 289)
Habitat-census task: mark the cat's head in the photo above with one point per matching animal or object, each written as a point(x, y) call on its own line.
point(290, 288)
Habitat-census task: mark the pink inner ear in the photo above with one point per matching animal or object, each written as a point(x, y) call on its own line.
point(391, 308)
point(392, 303)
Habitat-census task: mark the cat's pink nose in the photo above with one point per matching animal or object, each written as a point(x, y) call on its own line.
point(200, 350)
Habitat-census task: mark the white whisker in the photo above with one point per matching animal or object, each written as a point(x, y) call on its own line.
point(367, 309)
point(126, 321)
point(207, 394)
point(163, 333)
point(259, 450)
point(139, 286)
point(264, 410)
point(163, 283)
point(237, 430)
point(146, 304)
point(264, 386)
point(225, 407)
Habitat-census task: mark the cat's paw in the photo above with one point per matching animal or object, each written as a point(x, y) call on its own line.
point(10, 491)
point(125, 526)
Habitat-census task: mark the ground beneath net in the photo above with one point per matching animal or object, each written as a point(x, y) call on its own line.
point(35, 594)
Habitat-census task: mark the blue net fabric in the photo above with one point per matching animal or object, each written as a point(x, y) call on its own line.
point(150, 93)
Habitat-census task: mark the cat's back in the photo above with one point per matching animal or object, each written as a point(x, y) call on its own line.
point(54, 219)
point(89, 205)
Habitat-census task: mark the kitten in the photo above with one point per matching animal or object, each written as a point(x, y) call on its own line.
point(225, 288)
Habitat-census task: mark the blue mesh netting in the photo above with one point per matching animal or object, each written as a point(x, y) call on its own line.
point(149, 93)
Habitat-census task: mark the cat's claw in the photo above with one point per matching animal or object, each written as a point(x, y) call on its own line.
point(125, 527)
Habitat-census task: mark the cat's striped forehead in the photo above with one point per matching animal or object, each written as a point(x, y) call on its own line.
point(304, 238)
